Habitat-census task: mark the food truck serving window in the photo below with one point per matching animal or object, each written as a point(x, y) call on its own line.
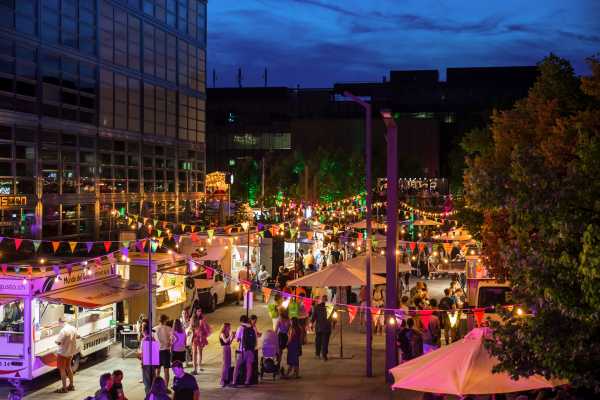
point(11, 312)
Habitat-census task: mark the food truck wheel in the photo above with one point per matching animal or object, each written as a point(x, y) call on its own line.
point(75, 361)
point(213, 303)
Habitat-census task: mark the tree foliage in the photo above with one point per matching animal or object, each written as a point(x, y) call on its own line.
point(537, 185)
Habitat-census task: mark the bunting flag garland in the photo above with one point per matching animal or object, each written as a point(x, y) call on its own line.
point(412, 246)
point(266, 292)
point(4, 268)
point(72, 245)
point(107, 246)
point(18, 243)
point(194, 237)
point(155, 222)
point(209, 274)
point(88, 246)
point(425, 317)
point(36, 245)
point(330, 310)
point(160, 241)
point(261, 234)
point(211, 233)
point(421, 247)
point(55, 246)
point(154, 245)
point(159, 232)
point(293, 232)
point(307, 301)
point(479, 312)
point(352, 311)
point(125, 251)
point(453, 317)
point(447, 248)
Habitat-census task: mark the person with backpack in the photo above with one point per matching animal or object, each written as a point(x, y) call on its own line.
point(246, 338)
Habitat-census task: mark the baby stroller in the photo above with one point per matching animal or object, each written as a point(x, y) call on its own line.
point(270, 351)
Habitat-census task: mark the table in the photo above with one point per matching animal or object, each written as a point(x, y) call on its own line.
point(129, 343)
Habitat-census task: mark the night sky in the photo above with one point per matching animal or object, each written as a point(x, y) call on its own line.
point(315, 43)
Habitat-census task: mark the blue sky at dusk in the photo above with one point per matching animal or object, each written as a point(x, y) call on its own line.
point(315, 43)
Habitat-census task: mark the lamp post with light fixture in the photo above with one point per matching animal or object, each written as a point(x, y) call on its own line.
point(246, 226)
point(368, 139)
point(391, 301)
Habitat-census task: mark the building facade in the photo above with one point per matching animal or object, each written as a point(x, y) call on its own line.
point(102, 107)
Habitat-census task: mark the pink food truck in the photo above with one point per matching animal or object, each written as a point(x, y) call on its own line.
point(31, 303)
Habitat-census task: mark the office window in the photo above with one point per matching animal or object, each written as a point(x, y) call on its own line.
point(161, 109)
point(182, 60)
point(120, 29)
point(149, 49)
point(171, 58)
point(171, 122)
point(106, 32)
point(159, 10)
point(149, 109)
point(134, 105)
point(192, 15)
point(120, 101)
point(160, 54)
point(182, 19)
point(171, 13)
point(183, 117)
point(50, 21)
point(87, 26)
point(201, 23)
point(134, 42)
point(25, 16)
point(106, 98)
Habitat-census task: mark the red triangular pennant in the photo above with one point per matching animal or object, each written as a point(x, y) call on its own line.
point(425, 317)
point(307, 304)
point(352, 311)
point(18, 243)
point(479, 312)
point(107, 246)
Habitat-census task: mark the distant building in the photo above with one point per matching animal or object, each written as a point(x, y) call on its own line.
point(431, 115)
point(102, 107)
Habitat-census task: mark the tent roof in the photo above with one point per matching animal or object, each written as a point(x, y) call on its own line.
point(377, 264)
point(462, 368)
point(339, 274)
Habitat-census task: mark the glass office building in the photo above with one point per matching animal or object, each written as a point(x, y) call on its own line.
point(102, 106)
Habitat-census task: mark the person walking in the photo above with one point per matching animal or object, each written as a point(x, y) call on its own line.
point(226, 338)
point(185, 386)
point(158, 391)
point(378, 302)
point(67, 348)
point(322, 324)
point(246, 338)
point(200, 333)
point(283, 327)
point(178, 342)
point(294, 347)
point(148, 354)
point(164, 335)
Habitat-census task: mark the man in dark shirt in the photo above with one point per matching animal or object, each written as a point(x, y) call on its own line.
point(322, 325)
point(185, 386)
point(116, 390)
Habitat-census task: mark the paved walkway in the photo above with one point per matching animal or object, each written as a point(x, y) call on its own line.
point(335, 379)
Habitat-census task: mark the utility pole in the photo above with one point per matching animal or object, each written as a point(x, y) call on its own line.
point(391, 269)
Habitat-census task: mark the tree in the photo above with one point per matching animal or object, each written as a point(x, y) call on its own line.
point(537, 185)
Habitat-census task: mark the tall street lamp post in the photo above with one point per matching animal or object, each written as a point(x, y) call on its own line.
point(368, 144)
point(391, 269)
point(246, 227)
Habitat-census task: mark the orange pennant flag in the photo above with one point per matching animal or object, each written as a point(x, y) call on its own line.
point(72, 245)
point(447, 248)
point(421, 247)
point(266, 294)
point(55, 246)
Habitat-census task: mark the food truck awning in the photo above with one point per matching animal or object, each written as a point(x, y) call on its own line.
point(7, 299)
point(214, 253)
point(98, 294)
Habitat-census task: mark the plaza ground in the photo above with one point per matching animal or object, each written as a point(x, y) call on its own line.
point(335, 379)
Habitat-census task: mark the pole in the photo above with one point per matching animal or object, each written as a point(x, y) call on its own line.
point(391, 300)
point(248, 293)
point(150, 294)
point(368, 183)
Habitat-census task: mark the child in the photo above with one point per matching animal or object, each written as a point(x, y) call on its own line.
point(226, 337)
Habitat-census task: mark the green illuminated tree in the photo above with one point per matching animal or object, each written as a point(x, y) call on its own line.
point(537, 187)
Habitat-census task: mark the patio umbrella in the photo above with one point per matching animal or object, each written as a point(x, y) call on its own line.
point(377, 264)
point(363, 225)
point(462, 368)
point(337, 275)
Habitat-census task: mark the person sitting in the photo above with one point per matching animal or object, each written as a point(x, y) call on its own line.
point(106, 382)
